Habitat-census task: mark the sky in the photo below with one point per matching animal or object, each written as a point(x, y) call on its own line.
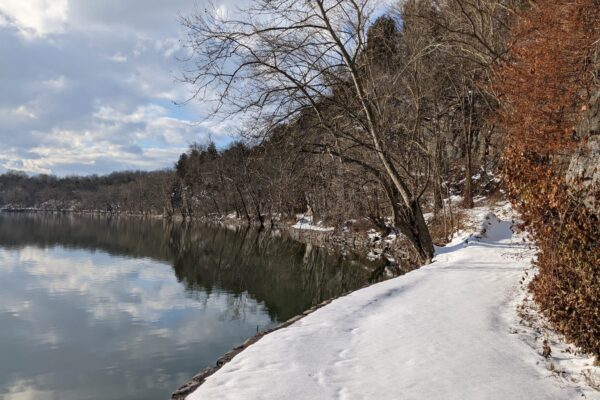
point(89, 86)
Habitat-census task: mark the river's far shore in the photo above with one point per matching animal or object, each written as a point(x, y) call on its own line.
point(463, 327)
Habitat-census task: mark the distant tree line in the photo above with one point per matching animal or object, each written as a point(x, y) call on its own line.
point(134, 192)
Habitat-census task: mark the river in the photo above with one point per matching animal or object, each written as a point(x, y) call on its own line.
point(127, 308)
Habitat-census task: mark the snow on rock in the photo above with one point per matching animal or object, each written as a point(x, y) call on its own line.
point(449, 330)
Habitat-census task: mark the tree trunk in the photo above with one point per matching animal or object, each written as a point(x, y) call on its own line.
point(412, 225)
point(425, 243)
point(408, 218)
point(468, 130)
point(438, 203)
point(247, 214)
point(468, 188)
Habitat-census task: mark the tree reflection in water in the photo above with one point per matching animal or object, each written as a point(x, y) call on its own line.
point(287, 276)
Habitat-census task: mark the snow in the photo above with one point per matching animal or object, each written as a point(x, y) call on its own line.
point(305, 223)
point(449, 330)
point(391, 238)
point(373, 235)
point(428, 216)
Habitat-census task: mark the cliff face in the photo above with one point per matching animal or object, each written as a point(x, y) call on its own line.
point(583, 174)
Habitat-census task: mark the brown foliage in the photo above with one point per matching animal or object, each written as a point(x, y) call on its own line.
point(543, 87)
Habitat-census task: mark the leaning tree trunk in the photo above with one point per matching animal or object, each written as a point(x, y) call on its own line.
point(407, 213)
point(411, 223)
point(424, 243)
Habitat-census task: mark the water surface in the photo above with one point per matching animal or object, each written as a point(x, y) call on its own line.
point(125, 308)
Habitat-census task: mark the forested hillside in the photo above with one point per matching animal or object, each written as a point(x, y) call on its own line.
point(349, 111)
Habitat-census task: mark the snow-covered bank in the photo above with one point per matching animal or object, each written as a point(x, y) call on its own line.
point(450, 330)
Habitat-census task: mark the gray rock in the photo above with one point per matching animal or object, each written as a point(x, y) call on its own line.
point(583, 174)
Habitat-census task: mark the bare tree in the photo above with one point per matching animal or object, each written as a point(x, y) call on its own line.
point(469, 37)
point(283, 58)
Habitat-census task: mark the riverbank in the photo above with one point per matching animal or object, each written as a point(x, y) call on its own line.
point(463, 327)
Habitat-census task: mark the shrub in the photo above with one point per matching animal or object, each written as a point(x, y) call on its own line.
point(545, 87)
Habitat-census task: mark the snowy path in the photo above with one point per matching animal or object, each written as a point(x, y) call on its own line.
point(440, 332)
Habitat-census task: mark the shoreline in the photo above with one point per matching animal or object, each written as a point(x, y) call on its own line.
point(197, 380)
point(362, 243)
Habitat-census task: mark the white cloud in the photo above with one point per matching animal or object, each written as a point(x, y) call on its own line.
point(25, 111)
point(118, 58)
point(140, 114)
point(58, 84)
point(146, 137)
point(31, 166)
point(35, 18)
point(104, 87)
point(22, 390)
point(221, 12)
point(168, 47)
